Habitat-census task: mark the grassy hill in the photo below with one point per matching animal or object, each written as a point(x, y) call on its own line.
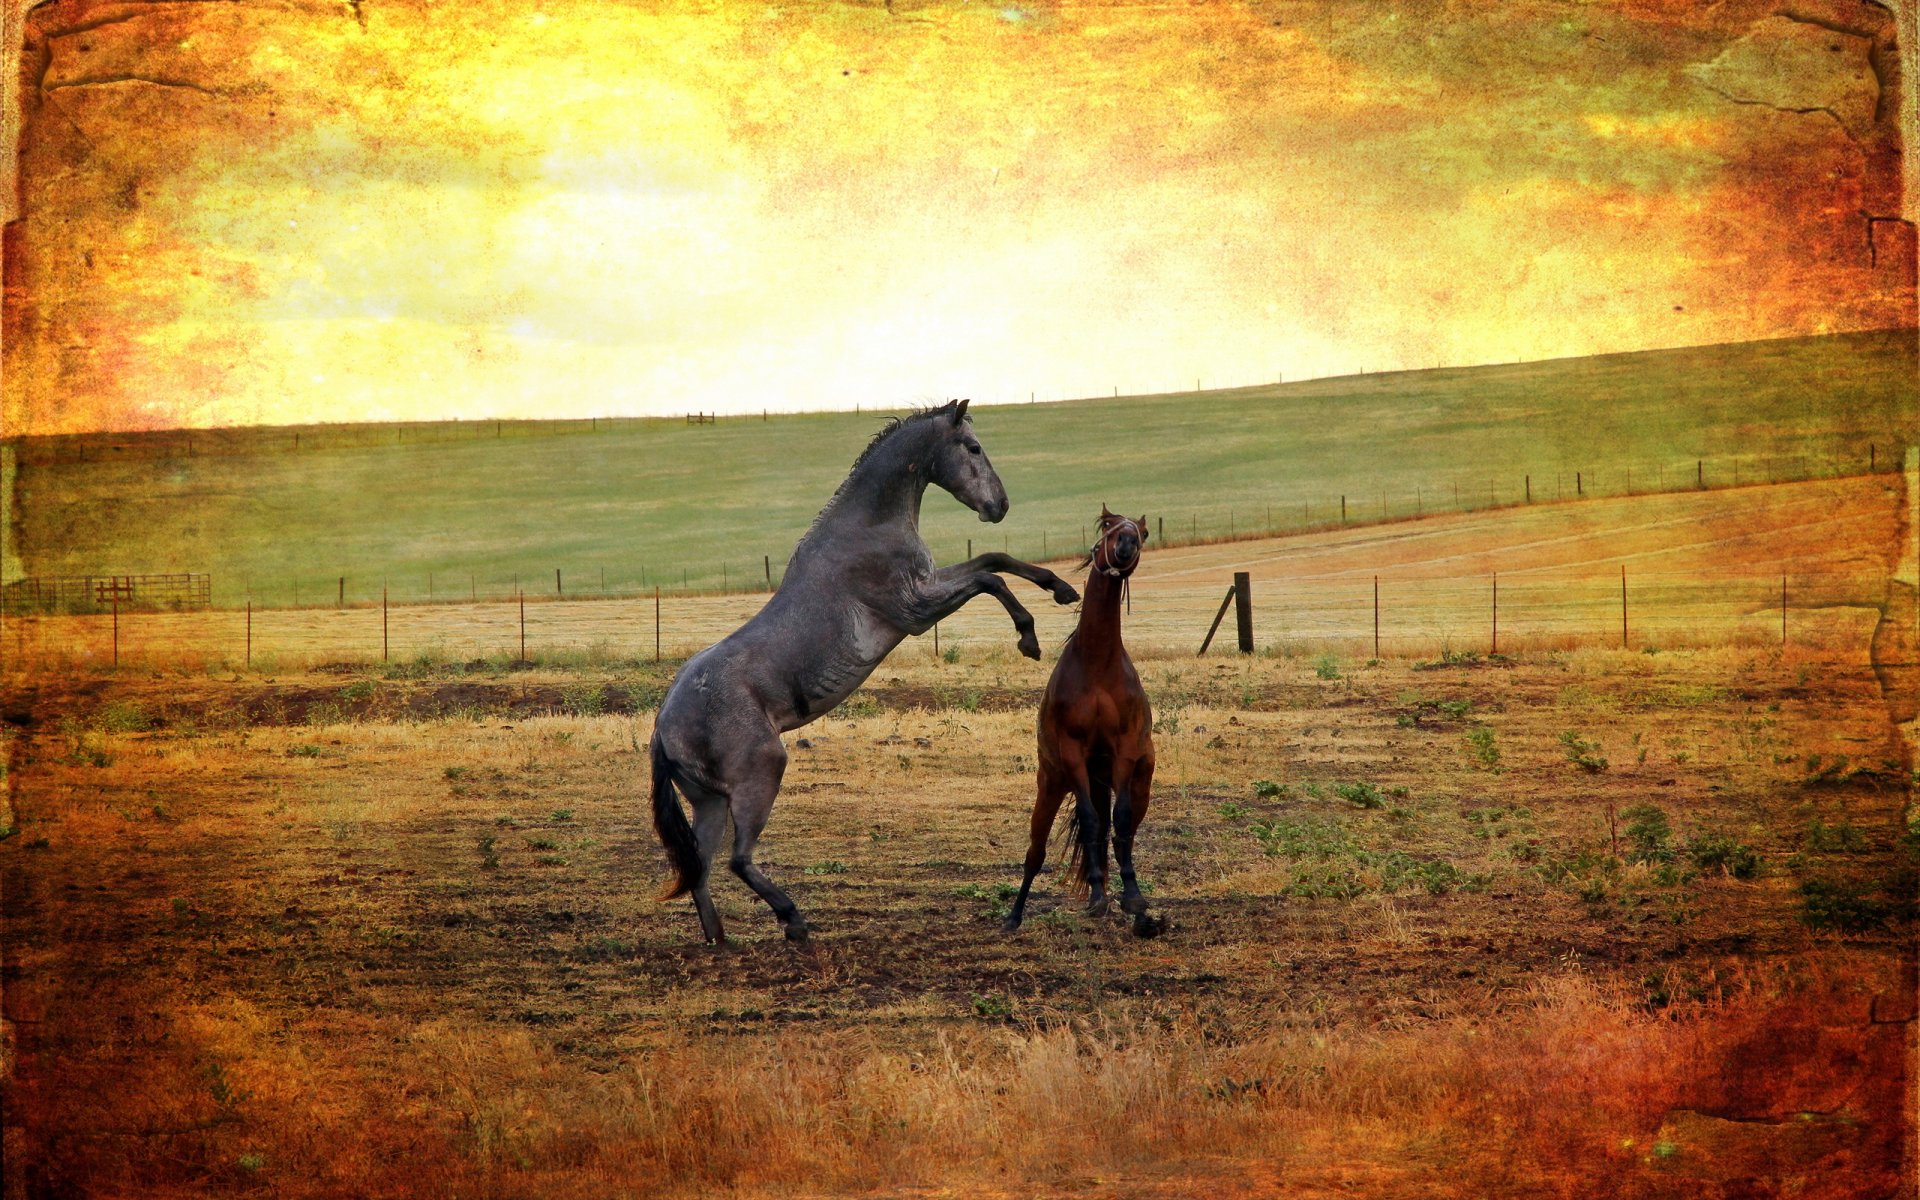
point(642, 502)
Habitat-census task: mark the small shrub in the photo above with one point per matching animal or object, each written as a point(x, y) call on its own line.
point(1842, 838)
point(951, 654)
point(1842, 907)
point(830, 867)
point(1327, 667)
point(1480, 747)
point(1581, 752)
point(999, 896)
point(359, 690)
point(563, 814)
point(993, 1005)
point(1302, 837)
point(1649, 830)
point(604, 949)
point(1267, 789)
point(1720, 852)
point(1233, 810)
point(1364, 795)
point(122, 716)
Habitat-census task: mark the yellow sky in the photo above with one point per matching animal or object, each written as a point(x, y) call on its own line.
point(247, 213)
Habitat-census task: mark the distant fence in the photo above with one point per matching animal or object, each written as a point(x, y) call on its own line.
point(1391, 615)
point(182, 592)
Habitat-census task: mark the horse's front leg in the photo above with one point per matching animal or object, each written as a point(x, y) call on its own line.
point(1006, 564)
point(1133, 790)
point(949, 592)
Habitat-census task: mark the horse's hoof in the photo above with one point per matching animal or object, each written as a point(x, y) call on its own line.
point(1030, 647)
point(1135, 904)
point(1145, 926)
point(1063, 593)
point(797, 933)
point(1010, 925)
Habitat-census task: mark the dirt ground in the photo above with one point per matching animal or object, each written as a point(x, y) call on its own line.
point(416, 909)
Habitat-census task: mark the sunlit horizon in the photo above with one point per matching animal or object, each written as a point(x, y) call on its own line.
point(722, 208)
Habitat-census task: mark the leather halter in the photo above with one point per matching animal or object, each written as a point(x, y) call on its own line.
point(1093, 554)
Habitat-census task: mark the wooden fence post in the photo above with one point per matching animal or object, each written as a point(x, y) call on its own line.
point(1376, 616)
point(522, 597)
point(1623, 606)
point(1496, 613)
point(556, 582)
point(249, 632)
point(656, 622)
point(1217, 618)
point(1243, 609)
point(116, 627)
point(383, 622)
point(342, 602)
point(766, 560)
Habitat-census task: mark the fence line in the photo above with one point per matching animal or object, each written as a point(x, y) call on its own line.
point(1394, 616)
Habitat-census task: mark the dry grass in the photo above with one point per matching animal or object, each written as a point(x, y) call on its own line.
point(389, 933)
point(1573, 1090)
point(255, 945)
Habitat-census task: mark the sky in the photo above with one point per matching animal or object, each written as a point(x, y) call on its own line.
point(256, 213)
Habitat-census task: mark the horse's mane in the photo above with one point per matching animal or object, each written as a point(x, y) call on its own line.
point(886, 432)
point(895, 425)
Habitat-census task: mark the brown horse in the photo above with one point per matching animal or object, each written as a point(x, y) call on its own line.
point(1096, 735)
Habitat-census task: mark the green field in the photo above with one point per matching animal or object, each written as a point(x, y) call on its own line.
point(642, 502)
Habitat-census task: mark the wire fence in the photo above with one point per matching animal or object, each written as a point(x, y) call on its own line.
point(1385, 616)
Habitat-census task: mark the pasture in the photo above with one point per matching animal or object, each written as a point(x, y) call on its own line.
point(1568, 920)
point(1703, 569)
point(476, 510)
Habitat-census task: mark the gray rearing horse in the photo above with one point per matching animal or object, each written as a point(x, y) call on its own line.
point(859, 582)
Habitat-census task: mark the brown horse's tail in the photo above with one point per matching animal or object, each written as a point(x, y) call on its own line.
point(1100, 794)
point(670, 822)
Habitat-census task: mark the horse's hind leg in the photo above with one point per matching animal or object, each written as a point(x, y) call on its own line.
point(754, 789)
point(709, 829)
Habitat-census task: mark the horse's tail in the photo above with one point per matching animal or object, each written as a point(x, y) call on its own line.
point(670, 822)
point(1099, 793)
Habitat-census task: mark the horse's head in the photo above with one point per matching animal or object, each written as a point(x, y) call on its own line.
point(1116, 551)
point(959, 464)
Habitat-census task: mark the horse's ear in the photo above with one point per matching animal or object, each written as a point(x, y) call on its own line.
point(1143, 527)
point(960, 411)
point(1105, 514)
